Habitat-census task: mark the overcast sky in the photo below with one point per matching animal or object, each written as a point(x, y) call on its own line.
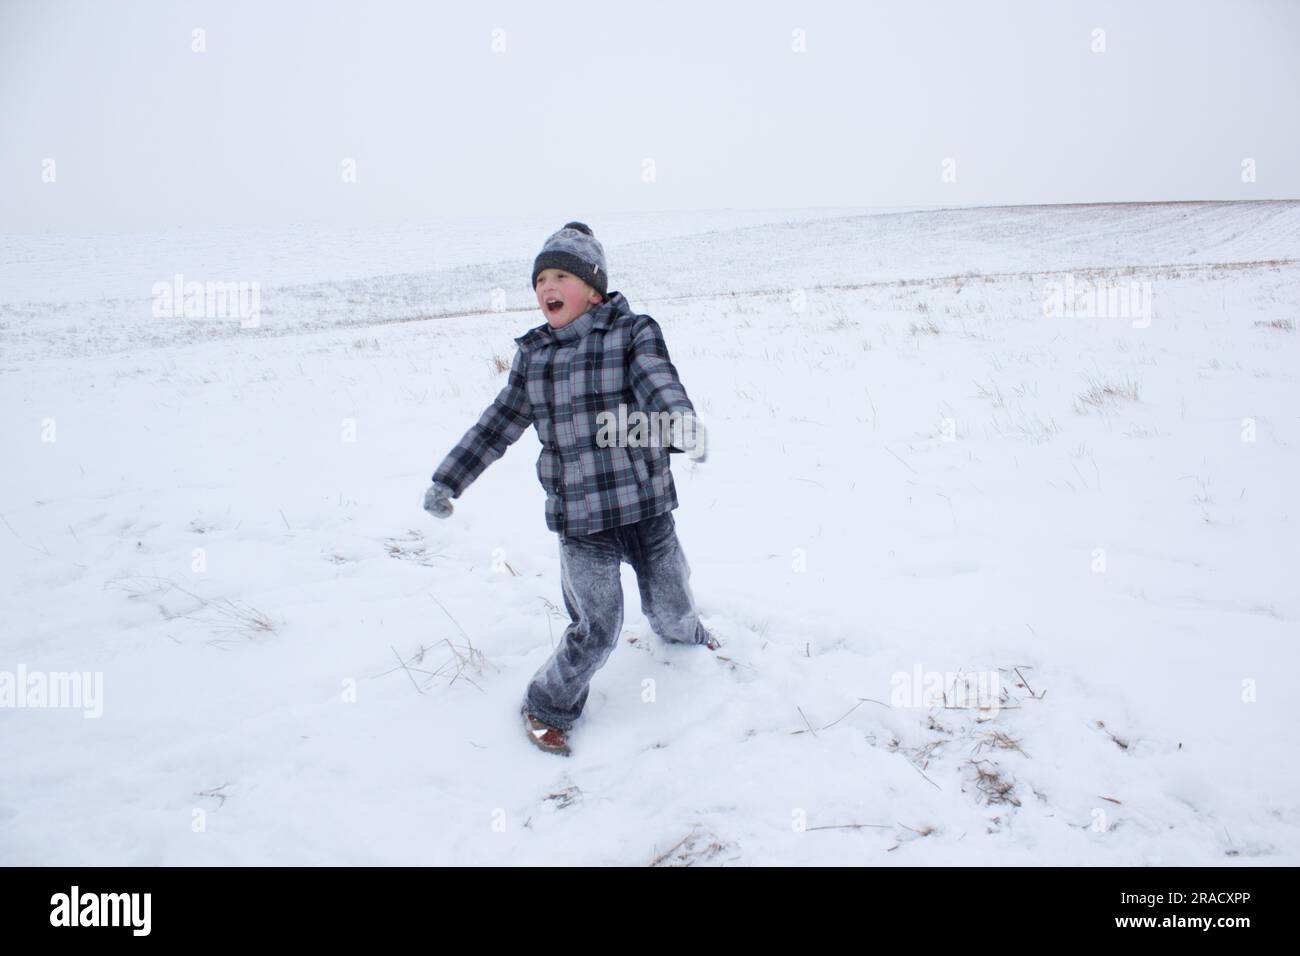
point(603, 107)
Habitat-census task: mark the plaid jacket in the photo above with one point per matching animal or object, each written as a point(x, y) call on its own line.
point(559, 381)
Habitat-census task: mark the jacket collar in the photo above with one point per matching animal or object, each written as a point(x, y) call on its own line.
point(600, 316)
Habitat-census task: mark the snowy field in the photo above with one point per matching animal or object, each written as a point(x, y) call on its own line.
point(916, 479)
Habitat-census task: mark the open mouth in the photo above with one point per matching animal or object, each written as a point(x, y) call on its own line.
point(554, 305)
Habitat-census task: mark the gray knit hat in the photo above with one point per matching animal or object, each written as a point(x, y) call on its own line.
point(574, 249)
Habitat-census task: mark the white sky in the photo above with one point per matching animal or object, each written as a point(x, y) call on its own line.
point(146, 133)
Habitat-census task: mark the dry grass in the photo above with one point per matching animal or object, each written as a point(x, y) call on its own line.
point(410, 548)
point(462, 661)
point(994, 394)
point(566, 797)
point(991, 785)
point(1282, 325)
point(1103, 393)
point(1120, 742)
point(221, 614)
point(500, 364)
point(695, 847)
point(1023, 424)
point(842, 320)
point(998, 740)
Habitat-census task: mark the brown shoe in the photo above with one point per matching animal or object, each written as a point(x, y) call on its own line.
point(551, 739)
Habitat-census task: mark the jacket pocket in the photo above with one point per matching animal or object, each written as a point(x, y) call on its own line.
point(660, 470)
point(639, 466)
point(548, 470)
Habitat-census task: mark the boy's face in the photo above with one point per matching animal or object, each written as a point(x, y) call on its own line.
point(573, 295)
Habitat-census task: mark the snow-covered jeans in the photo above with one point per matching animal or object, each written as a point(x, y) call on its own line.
point(590, 568)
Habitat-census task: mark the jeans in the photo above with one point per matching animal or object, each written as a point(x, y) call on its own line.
point(593, 593)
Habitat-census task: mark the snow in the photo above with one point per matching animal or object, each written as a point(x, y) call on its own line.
point(903, 478)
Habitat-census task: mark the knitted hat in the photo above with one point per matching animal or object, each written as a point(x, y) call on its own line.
point(575, 250)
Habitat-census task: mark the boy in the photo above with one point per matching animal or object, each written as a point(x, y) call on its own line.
point(610, 499)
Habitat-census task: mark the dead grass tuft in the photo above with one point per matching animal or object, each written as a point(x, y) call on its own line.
point(1103, 393)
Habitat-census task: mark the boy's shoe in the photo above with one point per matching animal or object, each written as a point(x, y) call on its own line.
point(712, 643)
point(551, 739)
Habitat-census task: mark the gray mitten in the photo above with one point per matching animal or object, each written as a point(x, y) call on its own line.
point(437, 500)
point(686, 432)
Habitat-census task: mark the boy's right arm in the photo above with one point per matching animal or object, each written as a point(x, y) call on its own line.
point(487, 440)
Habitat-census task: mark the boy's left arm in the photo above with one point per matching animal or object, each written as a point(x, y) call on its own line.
point(658, 389)
point(651, 372)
